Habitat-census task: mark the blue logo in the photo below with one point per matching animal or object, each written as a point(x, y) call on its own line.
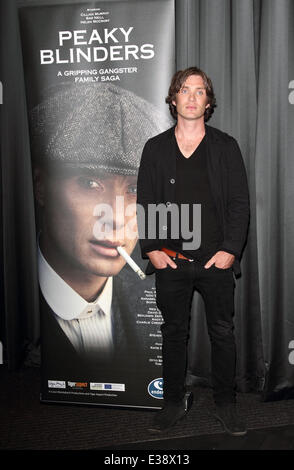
point(155, 388)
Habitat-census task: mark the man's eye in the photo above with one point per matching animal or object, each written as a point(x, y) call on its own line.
point(183, 91)
point(93, 184)
point(132, 189)
point(200, 92)
point(89, 183)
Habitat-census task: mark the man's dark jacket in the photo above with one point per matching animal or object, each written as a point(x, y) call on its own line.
point(228, 181)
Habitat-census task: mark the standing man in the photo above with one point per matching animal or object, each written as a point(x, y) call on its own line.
point(195, 164)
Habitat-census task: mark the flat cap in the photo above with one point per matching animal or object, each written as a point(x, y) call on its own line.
point(94, 126)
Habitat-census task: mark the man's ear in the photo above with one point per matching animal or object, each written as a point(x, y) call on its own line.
point(39, 186)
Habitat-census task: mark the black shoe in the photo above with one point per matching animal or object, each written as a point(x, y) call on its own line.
point(232, 423)
point(171, 414)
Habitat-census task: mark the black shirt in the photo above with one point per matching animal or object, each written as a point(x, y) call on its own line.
point(193, 187)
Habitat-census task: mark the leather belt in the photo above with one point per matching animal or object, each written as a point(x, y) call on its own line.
point(175, 254)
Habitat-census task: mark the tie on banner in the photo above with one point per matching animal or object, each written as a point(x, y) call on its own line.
point(97, 76)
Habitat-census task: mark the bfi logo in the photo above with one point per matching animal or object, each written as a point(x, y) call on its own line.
point(291, 94)
point(1, 93)
point(1, 353)
point(291, 355)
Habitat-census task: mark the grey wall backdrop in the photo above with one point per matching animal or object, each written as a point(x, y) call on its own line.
point(246, 47)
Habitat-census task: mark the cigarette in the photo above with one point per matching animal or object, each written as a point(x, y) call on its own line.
point(131, 262)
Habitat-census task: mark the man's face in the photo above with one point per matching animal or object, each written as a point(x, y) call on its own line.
point(83, 222)
point(191, 100)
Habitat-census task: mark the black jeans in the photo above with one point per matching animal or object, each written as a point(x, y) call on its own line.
point(174, 293)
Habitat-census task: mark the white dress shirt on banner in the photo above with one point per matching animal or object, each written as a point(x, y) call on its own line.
point(86, 324)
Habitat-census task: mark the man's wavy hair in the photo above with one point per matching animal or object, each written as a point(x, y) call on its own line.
point(177, 82)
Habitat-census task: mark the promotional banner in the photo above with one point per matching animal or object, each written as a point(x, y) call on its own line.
point(96, 76)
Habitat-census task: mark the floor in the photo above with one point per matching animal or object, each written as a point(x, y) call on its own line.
point(27, 424)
